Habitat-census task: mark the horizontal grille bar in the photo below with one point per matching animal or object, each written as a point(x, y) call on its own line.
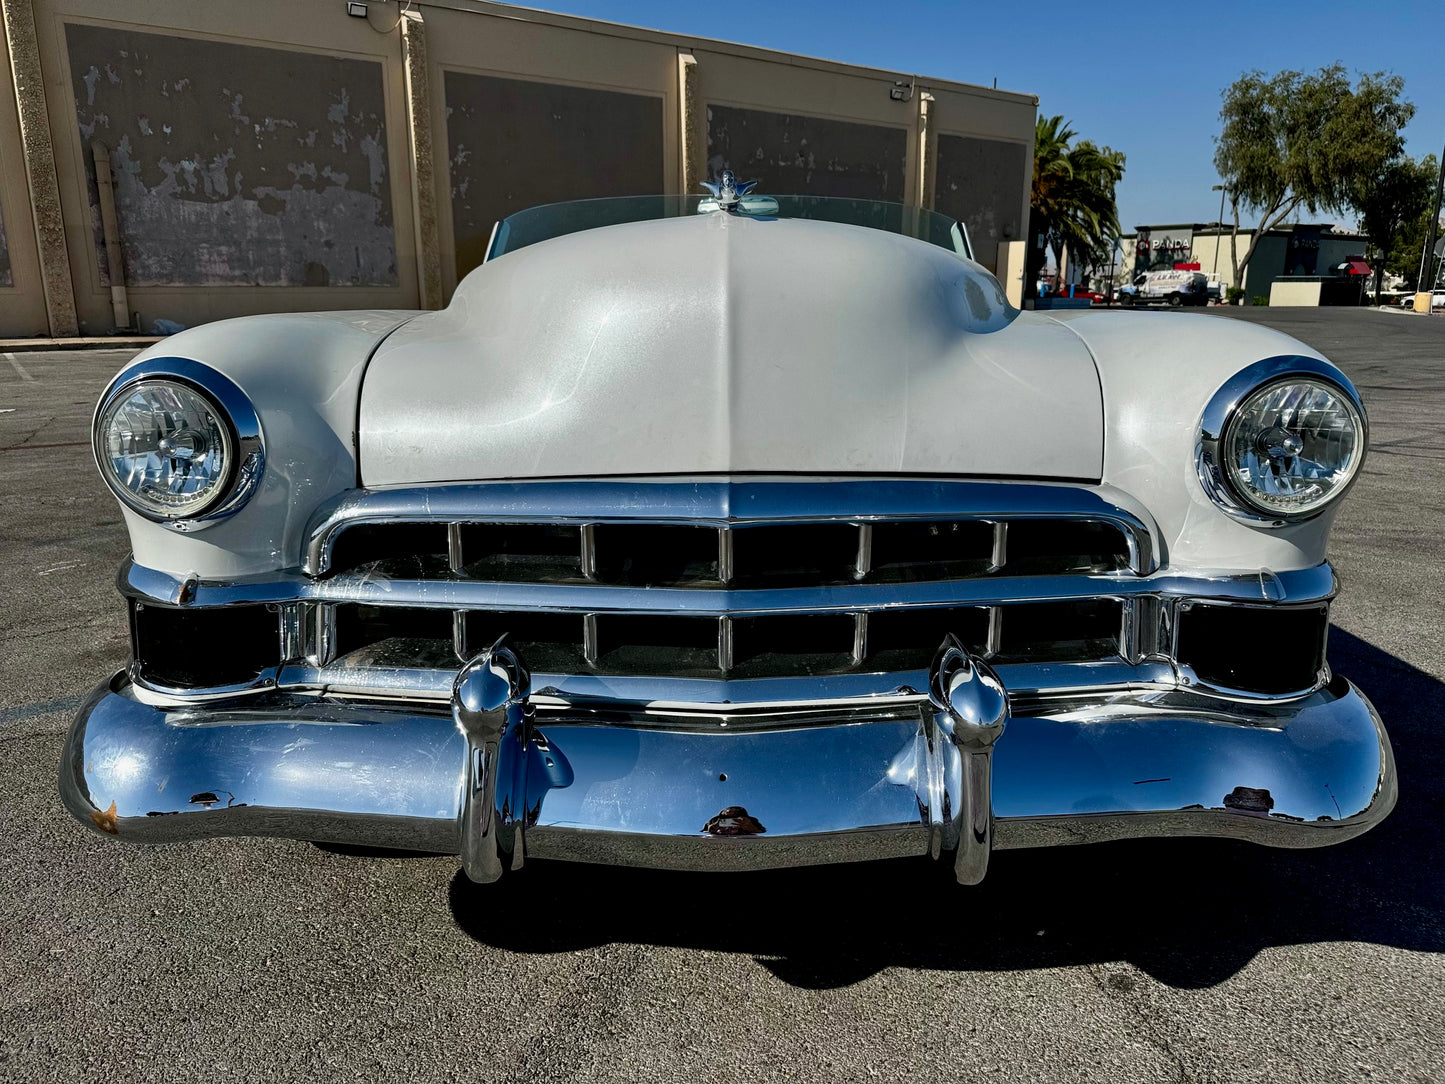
point(739, 647)
point(773, 555)
point(728, 504)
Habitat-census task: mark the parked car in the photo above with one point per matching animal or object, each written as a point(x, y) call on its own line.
point(740, 533)
point(1437, 300)
point(1174, 288)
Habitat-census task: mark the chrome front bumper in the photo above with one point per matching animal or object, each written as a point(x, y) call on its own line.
point(953, 774)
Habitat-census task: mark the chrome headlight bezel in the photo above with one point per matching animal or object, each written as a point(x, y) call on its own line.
point(233, 410)
point(1223, 408)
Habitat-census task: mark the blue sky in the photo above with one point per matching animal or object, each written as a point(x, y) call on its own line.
point(1143, 77)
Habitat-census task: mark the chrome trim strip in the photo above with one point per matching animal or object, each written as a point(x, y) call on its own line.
point(1220, 410)
point(1296, 585)
point(726, 503)
point(1028, 680)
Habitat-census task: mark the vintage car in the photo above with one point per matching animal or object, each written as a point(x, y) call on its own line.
point(728, 534)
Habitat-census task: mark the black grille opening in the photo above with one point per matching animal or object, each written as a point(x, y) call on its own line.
point(803, 644)
point(909, 639)
point(805, 553)
point(935, 550)
point(1256, 649)
point(194, 649)
point(1060, 631)
point(402, 550)
point(649, 555)
point(546, 642)
point(401, 636)
point(646, 644)
point(521, 552)
point(1059, 547)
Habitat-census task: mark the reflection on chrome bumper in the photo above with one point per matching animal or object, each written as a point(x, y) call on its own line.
point(501, 781)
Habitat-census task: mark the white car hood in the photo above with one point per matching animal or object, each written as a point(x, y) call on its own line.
point(720, 344)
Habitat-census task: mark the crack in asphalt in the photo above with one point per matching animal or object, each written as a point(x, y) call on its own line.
point(1123, 992)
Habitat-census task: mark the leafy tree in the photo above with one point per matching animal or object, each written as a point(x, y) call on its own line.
point(1405, 258)
point(1293, 140)
point(1073, 205)
point(1388, 204)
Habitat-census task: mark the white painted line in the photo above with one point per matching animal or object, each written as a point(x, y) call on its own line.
point(19, 368)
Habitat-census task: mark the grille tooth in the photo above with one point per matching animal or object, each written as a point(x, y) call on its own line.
point(1000, 546)
point(724, 556)
point(456, 562)
point(864, 563)
point(724, 644)
point(589, 551)
point(860, 638)
point(459, 635)
point(589, 639)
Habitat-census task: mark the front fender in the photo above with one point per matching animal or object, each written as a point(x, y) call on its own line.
point(1158, 371)
point(302, 372)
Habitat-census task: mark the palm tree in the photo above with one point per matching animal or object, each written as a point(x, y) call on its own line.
point(1073, 205)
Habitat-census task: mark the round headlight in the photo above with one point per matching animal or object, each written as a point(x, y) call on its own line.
point(179, 442)
point(1292, 446)
point(1282, 440)
point(165, 448)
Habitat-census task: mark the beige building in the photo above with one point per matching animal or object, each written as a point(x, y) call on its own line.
point(194, 161)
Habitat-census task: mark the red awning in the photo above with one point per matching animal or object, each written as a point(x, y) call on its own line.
point(1356, 267)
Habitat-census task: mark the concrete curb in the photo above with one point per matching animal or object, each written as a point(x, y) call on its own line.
point(108, 342)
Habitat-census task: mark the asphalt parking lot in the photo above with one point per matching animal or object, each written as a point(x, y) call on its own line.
point(259, 959)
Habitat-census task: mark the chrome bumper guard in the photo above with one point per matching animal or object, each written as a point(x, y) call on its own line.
point(952, 775)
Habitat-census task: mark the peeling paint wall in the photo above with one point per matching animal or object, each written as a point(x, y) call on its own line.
point(978, 184)
point(236, 164)
point(792, 154)
point(515, 144)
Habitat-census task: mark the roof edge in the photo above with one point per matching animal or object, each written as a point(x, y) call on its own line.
point(752, 52)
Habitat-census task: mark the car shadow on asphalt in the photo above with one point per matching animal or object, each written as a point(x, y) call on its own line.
point(1190, 913)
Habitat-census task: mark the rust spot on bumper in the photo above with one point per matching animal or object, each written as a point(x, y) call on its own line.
point(733, 821)
point(105, 820)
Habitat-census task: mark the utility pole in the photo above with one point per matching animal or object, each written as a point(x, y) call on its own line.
point(1219, 237)
point(1113, 263)
point(1425, 288)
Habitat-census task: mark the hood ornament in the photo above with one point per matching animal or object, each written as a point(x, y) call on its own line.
point(727, 191)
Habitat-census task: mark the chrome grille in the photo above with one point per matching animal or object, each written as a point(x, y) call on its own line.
point(765, 555)
point(730, 581)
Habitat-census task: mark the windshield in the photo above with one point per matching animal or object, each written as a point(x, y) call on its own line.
point(556, 219)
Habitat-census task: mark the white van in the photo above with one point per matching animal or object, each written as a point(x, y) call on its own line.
point(1173, 287)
